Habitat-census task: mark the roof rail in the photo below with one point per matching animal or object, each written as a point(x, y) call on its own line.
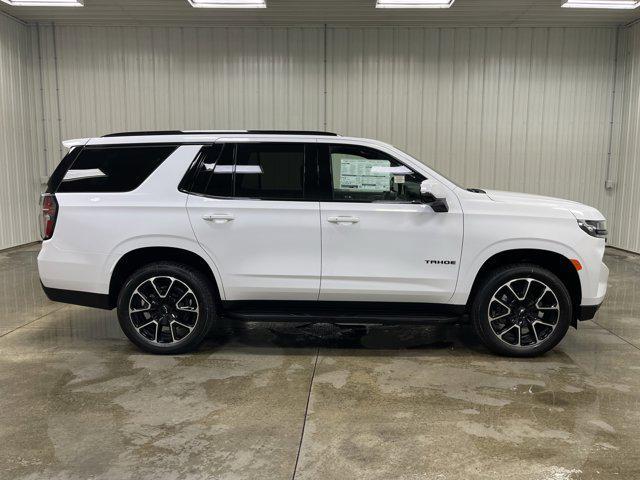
point(141, 134)
point(213, 132)
point(293, 132)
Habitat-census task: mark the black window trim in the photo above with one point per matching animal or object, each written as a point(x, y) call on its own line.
point(328, 187)
point(189, 177)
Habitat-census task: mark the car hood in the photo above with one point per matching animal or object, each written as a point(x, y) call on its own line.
point(579, 210)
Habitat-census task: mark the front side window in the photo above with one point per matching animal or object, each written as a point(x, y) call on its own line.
point(362, 174)
point(113, 169)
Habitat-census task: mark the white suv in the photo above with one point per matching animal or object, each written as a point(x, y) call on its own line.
point(178, 229)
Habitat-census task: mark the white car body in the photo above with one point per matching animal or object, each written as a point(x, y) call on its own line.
point(313, 251)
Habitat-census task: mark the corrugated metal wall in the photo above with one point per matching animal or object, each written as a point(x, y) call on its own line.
point(19, 155)
point(113, 79)
point(626, 216)
point(514, 108)
point(523, 109)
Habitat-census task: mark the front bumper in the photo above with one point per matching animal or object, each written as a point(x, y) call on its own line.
point(587, 312)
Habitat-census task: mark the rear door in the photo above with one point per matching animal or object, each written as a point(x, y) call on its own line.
point(250, 212)
point(379, 242)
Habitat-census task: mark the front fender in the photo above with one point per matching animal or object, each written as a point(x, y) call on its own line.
point(471, 264)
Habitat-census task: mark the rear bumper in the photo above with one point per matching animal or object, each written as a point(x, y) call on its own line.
point(86, 299)
point(73, 271)
point(587, 312)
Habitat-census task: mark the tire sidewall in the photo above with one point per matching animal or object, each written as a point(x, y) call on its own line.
point(202, 289)
point(498, 278)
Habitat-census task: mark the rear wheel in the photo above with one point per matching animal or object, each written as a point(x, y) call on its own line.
point(521, 310)
point(166, 308)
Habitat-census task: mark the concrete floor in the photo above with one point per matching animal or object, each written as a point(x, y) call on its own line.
point(282, 401)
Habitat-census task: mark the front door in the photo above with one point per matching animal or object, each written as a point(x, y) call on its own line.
point(249, 213)
point(379, 242)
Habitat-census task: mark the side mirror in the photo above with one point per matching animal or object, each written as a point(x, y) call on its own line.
point(434, 195)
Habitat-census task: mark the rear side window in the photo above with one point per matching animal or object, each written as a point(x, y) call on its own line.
point(215, 171)
point(58, 174)
point(264, 171)
point(113, 169)
point(270, 171)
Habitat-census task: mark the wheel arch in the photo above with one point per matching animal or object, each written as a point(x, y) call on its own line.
point(555, 262)
point(134, 259)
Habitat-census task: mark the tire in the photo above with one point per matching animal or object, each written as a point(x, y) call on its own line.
point(521, 310)
point(167, 308)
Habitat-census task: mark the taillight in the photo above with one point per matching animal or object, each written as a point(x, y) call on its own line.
point(48, 215)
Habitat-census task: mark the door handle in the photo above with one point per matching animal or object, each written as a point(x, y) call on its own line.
point(218, 217)
point(343, 220)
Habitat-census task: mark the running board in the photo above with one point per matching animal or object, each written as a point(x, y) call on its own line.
point(343, 319)
point(344, 312)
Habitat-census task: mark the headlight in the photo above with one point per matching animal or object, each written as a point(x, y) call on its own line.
point(595, 228)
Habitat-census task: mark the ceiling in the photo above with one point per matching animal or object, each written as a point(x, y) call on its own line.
point(332, 12)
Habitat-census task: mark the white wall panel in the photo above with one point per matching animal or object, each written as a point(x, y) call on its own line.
point(626, 168)
point(523, 109)
point(115, 79)
point(19, 155)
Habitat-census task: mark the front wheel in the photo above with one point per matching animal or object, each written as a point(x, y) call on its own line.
point(521, 310)
point(166, 308)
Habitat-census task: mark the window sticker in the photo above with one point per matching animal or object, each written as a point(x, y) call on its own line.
point(356, 174)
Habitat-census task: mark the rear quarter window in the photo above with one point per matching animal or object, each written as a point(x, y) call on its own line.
point(113, 169)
